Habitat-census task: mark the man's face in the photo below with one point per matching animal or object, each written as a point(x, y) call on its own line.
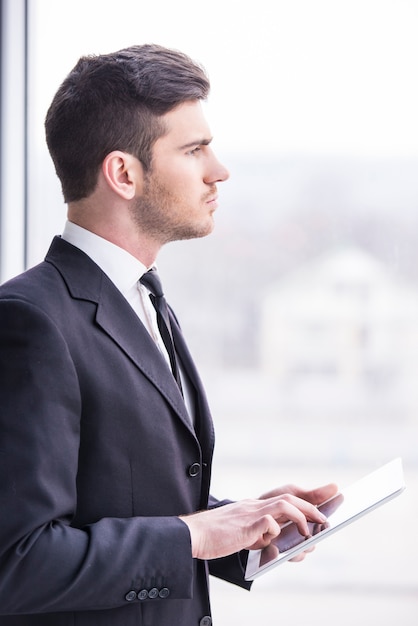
point(179, 195)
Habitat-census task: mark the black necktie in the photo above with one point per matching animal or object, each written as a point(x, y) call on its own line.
point(152, 281)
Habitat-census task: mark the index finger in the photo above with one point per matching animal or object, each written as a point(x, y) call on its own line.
point(291, 508)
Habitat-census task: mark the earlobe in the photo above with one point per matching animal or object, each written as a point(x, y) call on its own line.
point(123, 173)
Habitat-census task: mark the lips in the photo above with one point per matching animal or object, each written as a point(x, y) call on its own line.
point(212, 196)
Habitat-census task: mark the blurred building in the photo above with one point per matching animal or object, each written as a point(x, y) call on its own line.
point(344, 318)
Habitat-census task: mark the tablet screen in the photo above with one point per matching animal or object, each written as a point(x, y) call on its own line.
point(348, 505)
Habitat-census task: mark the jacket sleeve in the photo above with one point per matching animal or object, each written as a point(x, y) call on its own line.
point(46, 564)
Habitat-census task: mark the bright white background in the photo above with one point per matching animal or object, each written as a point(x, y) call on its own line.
point(323, 78)
point(333, 76)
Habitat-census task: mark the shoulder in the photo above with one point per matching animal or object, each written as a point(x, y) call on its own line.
point(66, 271)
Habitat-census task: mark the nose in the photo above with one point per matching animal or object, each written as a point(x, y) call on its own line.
point(216, 172)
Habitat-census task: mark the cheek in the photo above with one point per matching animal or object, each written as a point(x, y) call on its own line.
point(177, 186)
point(183, 178)
point(184, 193)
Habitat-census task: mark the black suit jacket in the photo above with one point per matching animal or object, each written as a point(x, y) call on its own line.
point(97, 459)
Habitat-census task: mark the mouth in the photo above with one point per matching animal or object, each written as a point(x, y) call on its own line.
point(212, 201)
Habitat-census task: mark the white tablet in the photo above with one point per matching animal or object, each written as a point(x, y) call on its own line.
point(348, 505)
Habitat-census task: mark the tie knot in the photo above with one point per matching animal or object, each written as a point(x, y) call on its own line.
point(152, 281)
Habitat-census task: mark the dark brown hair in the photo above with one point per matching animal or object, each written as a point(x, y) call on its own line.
point(115, 102)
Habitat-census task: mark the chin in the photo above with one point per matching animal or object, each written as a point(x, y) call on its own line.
point(206, 230)
point(196, 232)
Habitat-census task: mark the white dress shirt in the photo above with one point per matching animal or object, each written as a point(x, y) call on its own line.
point(124, 270)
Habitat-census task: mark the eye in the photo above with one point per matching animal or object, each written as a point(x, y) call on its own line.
point(194, 151)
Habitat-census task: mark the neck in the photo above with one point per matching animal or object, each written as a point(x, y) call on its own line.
point(120, 232)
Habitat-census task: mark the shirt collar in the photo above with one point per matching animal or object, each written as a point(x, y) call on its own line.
point(123, 269)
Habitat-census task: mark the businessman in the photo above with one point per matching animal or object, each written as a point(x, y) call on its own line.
point(106, 438)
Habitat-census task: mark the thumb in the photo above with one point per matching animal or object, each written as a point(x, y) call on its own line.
point(320, 494)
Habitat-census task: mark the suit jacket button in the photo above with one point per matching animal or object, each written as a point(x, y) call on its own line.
point(130, 596)
point(194, 470)
point(205, 621)
point(164, 592)
point(153, 593)
point(143, 594)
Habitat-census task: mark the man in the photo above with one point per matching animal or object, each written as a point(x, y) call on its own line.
point(105, 433)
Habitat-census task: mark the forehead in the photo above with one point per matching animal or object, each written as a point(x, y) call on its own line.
point(185, 124)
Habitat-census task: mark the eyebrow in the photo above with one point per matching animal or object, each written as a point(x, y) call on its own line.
point(198, 142)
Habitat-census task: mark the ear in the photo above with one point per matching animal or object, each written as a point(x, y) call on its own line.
point(123, 173)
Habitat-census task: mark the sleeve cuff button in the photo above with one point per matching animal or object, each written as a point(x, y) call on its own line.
point(130, 596)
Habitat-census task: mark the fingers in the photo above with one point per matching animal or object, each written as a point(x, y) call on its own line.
point(265, 530)
point(314, 496)
point(227, 529)
point(280, 510)
point(319, 494)
point(298, 510)
point(301, 556)
point(251, 524)
point(286, 508)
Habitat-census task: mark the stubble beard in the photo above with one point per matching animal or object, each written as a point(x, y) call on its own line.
point(158, 214)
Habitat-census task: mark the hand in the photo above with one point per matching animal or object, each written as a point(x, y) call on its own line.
point(315, 496)
point(250, 524)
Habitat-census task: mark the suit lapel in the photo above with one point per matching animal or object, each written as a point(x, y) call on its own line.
point(86, 281)
point(204, 425)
